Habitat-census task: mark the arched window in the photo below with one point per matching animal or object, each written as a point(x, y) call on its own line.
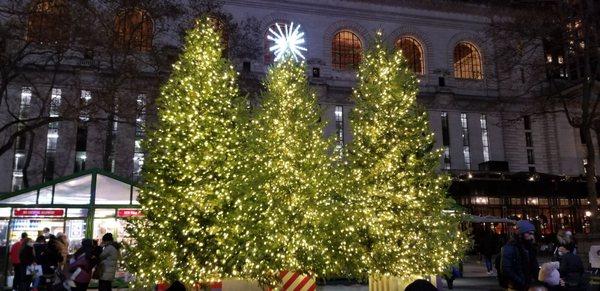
point(346, 50)
point(467, 62)
point(134, 30)
point(269, 55)
point(48, 22)
point(412, 52)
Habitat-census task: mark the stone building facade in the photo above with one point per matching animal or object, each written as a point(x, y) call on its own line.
point(476, 117)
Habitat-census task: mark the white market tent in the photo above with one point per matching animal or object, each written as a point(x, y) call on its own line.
point(87, 188)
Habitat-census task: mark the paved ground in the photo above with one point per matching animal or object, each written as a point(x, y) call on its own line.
point(475, 277)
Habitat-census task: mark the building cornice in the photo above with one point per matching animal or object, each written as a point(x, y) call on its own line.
point(372, 11)
point(438, 5)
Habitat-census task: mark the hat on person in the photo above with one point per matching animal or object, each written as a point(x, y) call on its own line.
point(420, 285)
point(107, 237)
point(524, 226)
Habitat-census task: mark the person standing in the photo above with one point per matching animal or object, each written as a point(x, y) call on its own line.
point(27, 258)
point(62, 243)
point(571, 269)
point(108, 262)
point(46, 233)
point(15, 260)
point(39, 248)
point(519, 265)
point(50, 259)
point(84, 261)
point(489, 247)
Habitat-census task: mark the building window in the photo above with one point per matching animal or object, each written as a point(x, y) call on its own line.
point(346, 50)
point(339, 127)
point(134, 30)
point(21, 141)
point(516, 201)
point(48, 22)
point(446, 140)
point(269, 55)
point(412, 52)
point(82, 132)
point(467, 62)
point(532, 201)
point(140, 126)
point(52, 136)
point(485, 138)
point(465, 137)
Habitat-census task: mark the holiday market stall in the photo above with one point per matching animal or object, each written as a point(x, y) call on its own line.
point(87, 204)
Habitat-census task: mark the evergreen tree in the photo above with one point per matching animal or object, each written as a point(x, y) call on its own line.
point(291, 217)
point(187, 189)
point(393, 166)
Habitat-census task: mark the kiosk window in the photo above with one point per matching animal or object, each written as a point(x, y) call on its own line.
point(25, 198)
point(5, 211)
point(77, 212)
point(111, 191)
point(76, 191)
point(45, 195)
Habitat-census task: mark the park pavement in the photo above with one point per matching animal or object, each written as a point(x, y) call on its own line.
point(475, 277)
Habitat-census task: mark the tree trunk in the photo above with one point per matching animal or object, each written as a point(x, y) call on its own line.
point(28, 155)
point(108, 144)
point(591, 178)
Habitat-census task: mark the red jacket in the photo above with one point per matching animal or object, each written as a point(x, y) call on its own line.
point(15, 250)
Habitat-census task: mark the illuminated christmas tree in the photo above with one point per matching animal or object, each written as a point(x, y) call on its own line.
point(291, 217)
point(393, 165)
point(187, 190)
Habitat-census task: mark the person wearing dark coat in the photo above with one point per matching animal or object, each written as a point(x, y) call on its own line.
point(571, 269)
point(50, 259)
point(489, 247)
point(38, 249)
point(27, 258)
point(519, 263)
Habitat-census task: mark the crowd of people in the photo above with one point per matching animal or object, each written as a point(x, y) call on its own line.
point(517, 264)
point(45, 264)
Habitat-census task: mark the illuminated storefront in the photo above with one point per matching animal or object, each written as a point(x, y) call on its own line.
point(551, 202)
point(84, 205)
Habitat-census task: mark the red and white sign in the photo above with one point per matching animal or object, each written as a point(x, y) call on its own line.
point(124, 213)
point(22, 212)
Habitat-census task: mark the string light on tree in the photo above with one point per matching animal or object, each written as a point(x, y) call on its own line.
point(393, 173)
point(290, 40)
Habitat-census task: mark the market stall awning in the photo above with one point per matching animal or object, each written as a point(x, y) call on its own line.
point(90, 187)
point(489, 219)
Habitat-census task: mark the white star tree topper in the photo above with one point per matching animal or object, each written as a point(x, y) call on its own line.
point(288, 41)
